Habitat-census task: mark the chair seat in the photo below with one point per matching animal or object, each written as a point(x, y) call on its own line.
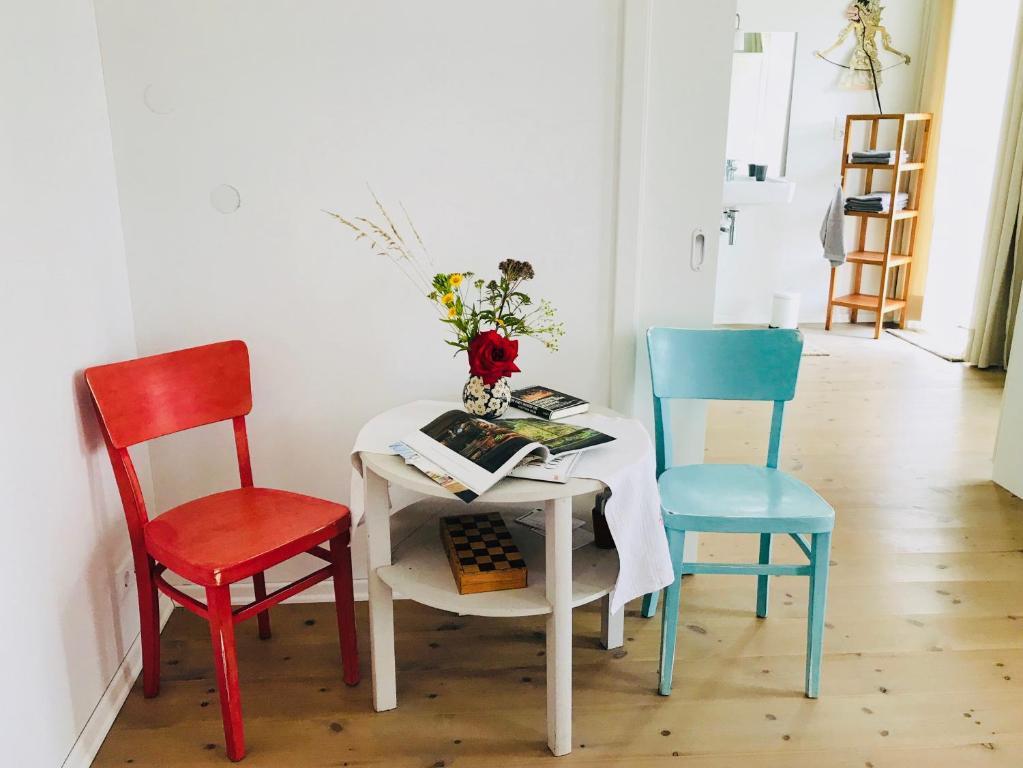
point(225, 537)
point(741, 498)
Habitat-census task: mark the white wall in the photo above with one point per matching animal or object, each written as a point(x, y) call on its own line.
point(495, 124)
point(777, 248)
point(68, 619)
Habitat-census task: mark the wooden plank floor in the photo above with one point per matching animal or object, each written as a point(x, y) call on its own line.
point(924, 647)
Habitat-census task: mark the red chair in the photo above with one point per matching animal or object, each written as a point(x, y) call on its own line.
point(220, 539)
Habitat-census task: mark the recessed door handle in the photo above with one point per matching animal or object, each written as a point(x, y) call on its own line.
point(697, 250)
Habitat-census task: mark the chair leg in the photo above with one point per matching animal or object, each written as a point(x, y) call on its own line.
point(149, 630)
point(765, 558)
point(344, 599)
point(649, 605)
point(669, 617)
point(821, 555)
point(263, 617)
point(218, 602)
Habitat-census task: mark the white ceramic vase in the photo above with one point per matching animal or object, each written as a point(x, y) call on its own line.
point(487, 400)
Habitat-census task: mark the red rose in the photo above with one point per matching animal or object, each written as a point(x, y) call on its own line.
point(492, 356)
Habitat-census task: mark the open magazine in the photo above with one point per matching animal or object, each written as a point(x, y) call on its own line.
point(468, 455)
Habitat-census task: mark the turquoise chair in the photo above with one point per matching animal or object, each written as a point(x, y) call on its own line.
point(757, 364)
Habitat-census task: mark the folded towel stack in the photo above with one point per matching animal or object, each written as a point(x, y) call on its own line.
point(877, 157)
point(875, 202)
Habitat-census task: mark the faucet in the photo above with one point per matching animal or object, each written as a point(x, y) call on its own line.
point(729, 215)
point(731, 166)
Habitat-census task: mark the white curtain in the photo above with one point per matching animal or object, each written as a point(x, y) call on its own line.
point(1001, 271)
point(933, 62)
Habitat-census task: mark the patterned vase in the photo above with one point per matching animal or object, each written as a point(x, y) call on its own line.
point(487, 400)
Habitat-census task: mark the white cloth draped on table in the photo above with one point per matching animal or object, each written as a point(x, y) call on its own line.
point(626, 466)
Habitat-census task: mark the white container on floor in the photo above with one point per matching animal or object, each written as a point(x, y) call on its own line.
point(785, 310)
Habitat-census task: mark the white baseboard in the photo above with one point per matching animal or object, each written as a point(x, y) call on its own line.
point(241, 593)
point(102, 718)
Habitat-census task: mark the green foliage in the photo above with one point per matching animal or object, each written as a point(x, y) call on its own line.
point(474, 306)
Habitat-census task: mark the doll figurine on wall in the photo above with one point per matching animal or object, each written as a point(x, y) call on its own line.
point(863, 72)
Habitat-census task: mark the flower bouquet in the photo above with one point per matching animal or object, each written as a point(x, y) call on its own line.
point(485, 317)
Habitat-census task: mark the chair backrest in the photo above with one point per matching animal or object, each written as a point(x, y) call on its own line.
point(722, 364)
point(139, 400)
point(142, 399)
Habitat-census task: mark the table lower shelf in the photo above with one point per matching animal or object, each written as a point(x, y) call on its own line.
point(420, 570)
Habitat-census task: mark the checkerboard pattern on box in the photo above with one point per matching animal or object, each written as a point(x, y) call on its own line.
point(482, 553)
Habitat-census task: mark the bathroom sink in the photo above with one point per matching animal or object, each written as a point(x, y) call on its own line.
point(745, 190)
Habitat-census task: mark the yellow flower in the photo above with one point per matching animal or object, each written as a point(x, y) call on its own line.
point(500, 322)
point(447, 298)
point(456, 280)
point(452, 311)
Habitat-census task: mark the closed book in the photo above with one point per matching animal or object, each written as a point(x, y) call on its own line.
point(548, 403)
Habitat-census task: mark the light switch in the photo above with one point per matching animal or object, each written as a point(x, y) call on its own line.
point(838, 132)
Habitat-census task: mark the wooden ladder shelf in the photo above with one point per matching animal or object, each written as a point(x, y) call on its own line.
point(885, 301)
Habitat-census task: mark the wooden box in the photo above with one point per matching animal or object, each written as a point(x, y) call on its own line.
point(482, 554)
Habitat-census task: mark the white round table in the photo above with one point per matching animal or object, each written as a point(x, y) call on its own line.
point(418, 569)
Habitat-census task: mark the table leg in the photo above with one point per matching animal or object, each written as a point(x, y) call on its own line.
point(558, 523)
point(612, 625)
point(381, 601)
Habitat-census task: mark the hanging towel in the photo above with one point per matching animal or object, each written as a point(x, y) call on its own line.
point(833, 230)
